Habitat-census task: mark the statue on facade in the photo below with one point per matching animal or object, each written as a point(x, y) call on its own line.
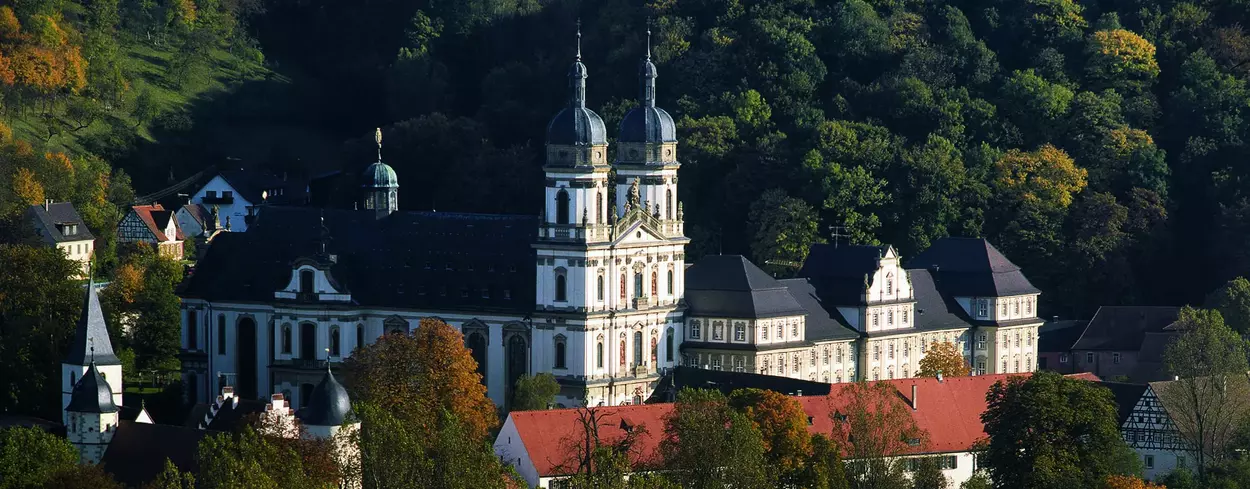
point(633, 193)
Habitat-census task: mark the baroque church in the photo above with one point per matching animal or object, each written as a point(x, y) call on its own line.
point(596, 293)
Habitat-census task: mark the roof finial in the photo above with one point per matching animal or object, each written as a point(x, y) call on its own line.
point(91, 342)
point(579, 38)
point(648, 38)
point(327, 360)
point(377, 136)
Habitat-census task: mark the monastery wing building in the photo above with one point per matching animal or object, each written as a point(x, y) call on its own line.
point(591, 291)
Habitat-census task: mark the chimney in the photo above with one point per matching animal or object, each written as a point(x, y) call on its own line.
point(800, 393)
point(914, 406)
point(47, 203)
point(939, 376)
point(1054, 318)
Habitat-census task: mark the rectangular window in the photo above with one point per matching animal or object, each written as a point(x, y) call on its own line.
point(1150, 461)
point(740, 332)
point(983, 308)
point(1115, 357)
point(980, 367)
point(193, 331)
point(1089, 357)
point(1063, 358)
point(794, 330)
point(716, 362)
point(221, 334)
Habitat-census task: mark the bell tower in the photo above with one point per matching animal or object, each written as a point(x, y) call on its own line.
point(91, 342)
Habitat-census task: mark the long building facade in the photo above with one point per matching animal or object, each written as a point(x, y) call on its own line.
point(595, 290)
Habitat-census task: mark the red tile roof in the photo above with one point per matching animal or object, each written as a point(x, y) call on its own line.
point(156, 217)
point(950, 411)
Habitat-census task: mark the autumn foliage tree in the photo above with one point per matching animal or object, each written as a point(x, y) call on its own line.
point(944, 358)
point(417, 376)
point(782, 424)
point(1128, 482)
point(875, 426)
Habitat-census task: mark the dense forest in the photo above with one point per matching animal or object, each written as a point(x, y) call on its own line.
point(1096, 143)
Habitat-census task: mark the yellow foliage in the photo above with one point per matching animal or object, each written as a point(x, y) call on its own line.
point(6, 133)
point(10, 28)
point(1046, 175)
point(1125, 140)
point(128, 280)
point(26, 187)
point(1118, 54)
point(59, 163)
point(1128, 482)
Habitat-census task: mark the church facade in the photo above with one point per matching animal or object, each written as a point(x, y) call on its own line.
point(595, 290)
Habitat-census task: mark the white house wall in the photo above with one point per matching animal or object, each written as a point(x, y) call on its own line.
point(237, 209)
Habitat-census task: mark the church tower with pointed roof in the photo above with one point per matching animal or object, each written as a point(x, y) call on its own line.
point(91, 416)
point(91, 341)
point(646, 158)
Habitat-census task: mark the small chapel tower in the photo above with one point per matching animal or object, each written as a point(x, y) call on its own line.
point(91, 415)
point(329, 415)
point(380, 184)
point(91, 342)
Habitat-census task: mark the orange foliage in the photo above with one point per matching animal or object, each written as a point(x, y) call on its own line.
point(6, 133)
point(7, 75)
point(128, 280)
point(782, 423)
point(943, 357)
point(1128, 482)
point(26, 187)
point(417, 376)
point(10, 28)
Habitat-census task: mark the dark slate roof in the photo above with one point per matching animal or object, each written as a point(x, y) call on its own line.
point(647, 125)
point(680, 377)
point(91, 332)
point(840, 273)
point(732, 286)
point(1126, 396)
point(329, 405)
point(400, 260)
point(823, 323)
point(1059, 336)
point(577, 126)
point(229, 417)
point(250, 183)
point(138, 451)
point(935, 309)
point(1124, 327)
point(201, 213)
point(59, 213)
point(91, 394)
point(379, 175)
point(972, 267)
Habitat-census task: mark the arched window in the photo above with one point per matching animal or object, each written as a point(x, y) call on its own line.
point(336, 348)
point(192, 330)
point(638, 348)
point(72, 379)
point(668, 346)
point(360, 336)
point(286, 339)
point(622, 285)
point(668, 204)
point(638, 284)
point(562, 207)
point(599, 353)
point(306, 281)
point(599, 289)
point(889, 317)
point(655, 283)
point(599, 209)
point(622, 354)
point(889, 283)
point(655, 353)
point(221, 334)
point(560, 352)
point(561, 295)
point(670, 282)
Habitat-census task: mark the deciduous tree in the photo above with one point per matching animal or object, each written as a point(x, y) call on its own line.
point(1232, 300)
point(707, 445)
point(1051, 431)
point(535, 392)
point(875, 426)
point(783, 427)
point(172, 478)
point(31, 457)
point(785, 229)
point(1207, 402)
point(39, 306)
point(249, 459)
point(1128, 482)
point(944, 358)
point(1121, 59)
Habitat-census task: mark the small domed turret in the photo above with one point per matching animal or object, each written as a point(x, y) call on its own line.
point(380, 184)
point(329, 405)
point(576, 125)
point(647, 123)
point(92, 394)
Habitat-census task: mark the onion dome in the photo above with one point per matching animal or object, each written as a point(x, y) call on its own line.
point(647, 123)
point(577, 125)
point(92, 394)
point(379, 174)
point(329, 405)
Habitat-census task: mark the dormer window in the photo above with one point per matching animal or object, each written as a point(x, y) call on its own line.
point(889, 283)
point(306, 281)
point(983, 308)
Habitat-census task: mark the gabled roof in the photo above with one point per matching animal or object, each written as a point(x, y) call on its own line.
point(1126, 397)
point(249, 184)
point(732, 286)
point(823, 322)
point(157, 218)
point(935, 310)
point(1059, 336)
point(91, 334)
point(1124, 327)
point(47, 218)
point(200, 213)
point(410, 260)
point(949, 410)
point(138, 451)
point(841, 273)
point(972, 267)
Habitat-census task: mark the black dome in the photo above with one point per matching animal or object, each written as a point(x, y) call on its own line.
point(577, 126)
point(647, 125)
point(329, 404)
point(92, 394)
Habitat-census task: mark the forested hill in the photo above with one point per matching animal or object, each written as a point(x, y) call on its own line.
point(1100, 145)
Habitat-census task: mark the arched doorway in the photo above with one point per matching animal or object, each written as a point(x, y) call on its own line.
point(245, 345)
point(476, 342)
point(308, 342)
point(518, 361)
